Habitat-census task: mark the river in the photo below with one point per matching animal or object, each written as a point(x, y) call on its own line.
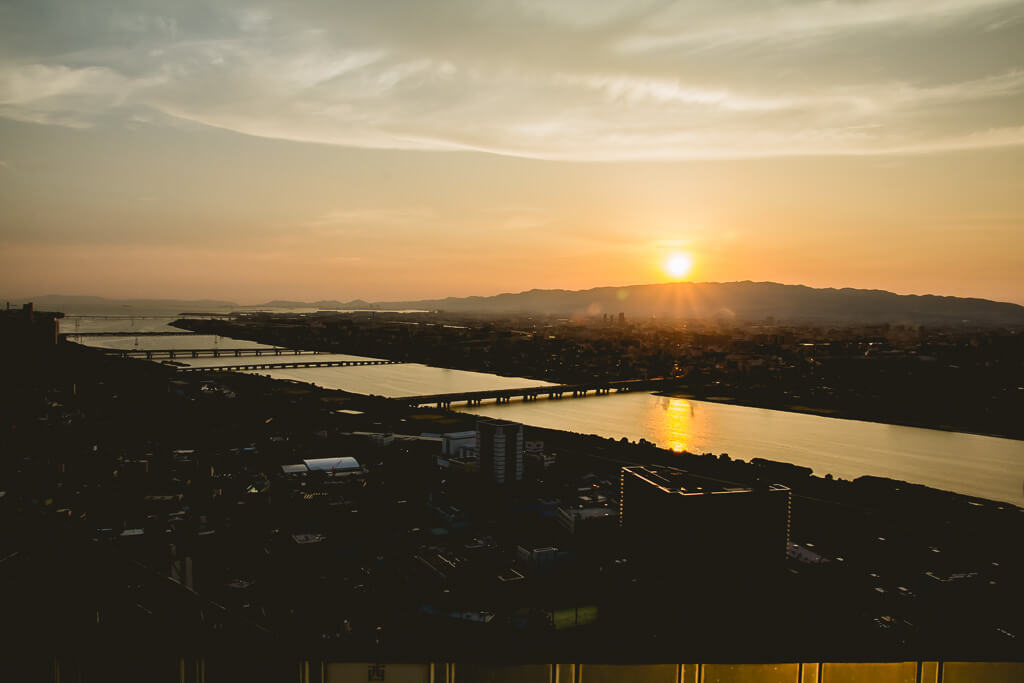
point(983, 466)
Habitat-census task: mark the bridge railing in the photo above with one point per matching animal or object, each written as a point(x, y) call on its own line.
point(532, 392)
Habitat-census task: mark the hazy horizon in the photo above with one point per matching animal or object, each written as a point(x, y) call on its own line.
point(413, 299)
point(403, 151)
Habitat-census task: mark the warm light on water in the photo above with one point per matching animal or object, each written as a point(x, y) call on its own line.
point(678, 414)
point(982, 466)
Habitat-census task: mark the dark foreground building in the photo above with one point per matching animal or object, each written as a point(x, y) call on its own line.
point(25, 329)
point(691, 525)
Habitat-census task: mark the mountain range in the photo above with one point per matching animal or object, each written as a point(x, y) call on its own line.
point(745, 301)
point(749, 301)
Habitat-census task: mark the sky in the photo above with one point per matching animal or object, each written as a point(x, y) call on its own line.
point(394, 150)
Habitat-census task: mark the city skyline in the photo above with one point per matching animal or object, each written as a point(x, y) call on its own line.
point(406, 151)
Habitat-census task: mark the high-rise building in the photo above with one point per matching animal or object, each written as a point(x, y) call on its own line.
point(500, 446)
point(702, 525)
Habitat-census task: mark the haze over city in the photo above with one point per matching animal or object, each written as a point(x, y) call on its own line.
point(415, 150)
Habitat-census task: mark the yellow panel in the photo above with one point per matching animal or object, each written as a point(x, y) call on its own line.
point(751, 673)
point(348, 672)
point(689, 673)
point(527, 673)
point(810, 674)
point(929, 672)
point(617, 673)
point(869, 672)
point(982, 672)
point(564, 673)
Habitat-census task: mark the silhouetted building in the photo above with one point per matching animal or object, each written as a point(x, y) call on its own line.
point(500, 448)
point(26, 328)
point(704, 526)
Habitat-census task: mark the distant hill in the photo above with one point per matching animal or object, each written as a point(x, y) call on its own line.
point(739, 301)
point(97, 305)
point(324, 305)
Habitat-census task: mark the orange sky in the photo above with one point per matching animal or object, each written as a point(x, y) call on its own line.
point(302, 151)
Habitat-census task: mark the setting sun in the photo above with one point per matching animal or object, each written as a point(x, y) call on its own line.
point(679, 265)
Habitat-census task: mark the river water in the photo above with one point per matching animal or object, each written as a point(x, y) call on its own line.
point(982, 466)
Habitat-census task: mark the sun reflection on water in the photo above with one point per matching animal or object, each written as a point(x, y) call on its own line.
point(678, 417)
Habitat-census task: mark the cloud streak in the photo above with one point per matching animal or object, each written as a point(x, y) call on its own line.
point(542, 80)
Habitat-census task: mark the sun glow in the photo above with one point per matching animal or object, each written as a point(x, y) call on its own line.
point(678, 265)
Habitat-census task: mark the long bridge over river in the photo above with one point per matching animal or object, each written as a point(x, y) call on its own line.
point(553, 391)
point(215, 352)
point(288, 364)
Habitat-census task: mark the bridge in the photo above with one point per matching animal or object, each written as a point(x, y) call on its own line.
point(291, 364)
point(556, 391)
point(215, 352)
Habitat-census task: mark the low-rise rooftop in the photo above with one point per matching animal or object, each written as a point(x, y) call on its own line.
point(344, 463)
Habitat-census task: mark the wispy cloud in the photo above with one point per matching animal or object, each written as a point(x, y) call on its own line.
point(539, 79)
point(683, 25)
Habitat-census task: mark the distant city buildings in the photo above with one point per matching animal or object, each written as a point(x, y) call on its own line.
point(500, 448)
point(692, 523)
